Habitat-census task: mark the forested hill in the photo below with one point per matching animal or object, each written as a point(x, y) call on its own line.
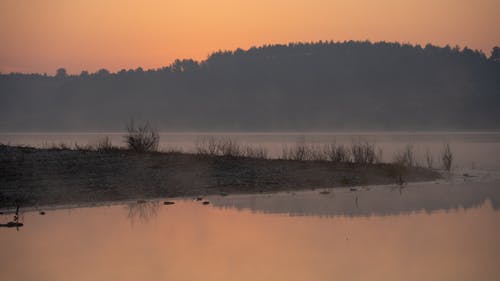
point(322, 86)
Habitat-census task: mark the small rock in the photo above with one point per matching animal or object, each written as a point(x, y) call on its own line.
point(205, 203)
point(12, 224)
point(168, 203)
point(223, 194)
point(42, 213)
point(199, 198)
point(141, 201)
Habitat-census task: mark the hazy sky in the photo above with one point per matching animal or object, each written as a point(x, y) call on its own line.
point(42, 35)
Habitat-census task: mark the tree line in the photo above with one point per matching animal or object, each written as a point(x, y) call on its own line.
point(327, 86)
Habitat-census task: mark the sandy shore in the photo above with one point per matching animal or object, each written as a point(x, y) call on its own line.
point(31, 177)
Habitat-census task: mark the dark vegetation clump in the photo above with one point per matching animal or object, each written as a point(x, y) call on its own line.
point(337, 153)
point(406, 157)
point(105, 145)
point(447, 157)
point(142, 138)
point(228, 147)
point(360, 152)
point(363, 152)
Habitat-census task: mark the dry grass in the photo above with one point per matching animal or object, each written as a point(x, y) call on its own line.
point(227, 147)
point(360, 152)
point(406, 157)
point(337, 153)
point(364, 152)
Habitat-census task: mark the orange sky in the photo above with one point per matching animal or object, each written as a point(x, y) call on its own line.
point(42, 35)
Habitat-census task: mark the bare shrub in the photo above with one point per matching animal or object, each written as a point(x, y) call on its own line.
point(104, 144)
point(296, 152)
point(447, 157)
point(363, 152)
point(229, 148)
point(206, 146)
point(142, 138)
point(380, 153)
point(406, 157)
point(429, 159)
point(359, 152)
point(255, 152)
point(86, 147)
point(337, 153)
point(302, 152)
point(316, 153)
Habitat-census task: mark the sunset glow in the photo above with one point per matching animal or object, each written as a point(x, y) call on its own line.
point(40, 36)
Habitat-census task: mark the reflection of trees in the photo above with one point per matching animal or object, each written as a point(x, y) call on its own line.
point(143, 211)
point(377, 201)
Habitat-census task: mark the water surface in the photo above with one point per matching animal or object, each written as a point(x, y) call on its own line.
point(445, 230)
point(421, 232)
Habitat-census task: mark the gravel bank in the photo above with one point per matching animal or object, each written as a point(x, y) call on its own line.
point(31, 176)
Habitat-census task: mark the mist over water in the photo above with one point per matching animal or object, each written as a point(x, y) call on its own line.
point(472, 150)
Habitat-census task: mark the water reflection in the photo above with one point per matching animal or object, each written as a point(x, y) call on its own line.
point(17, 220)
point(366, 201)
point(142, 210)
point(330, 237)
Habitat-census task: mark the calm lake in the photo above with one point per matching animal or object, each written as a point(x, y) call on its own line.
point(444, 230)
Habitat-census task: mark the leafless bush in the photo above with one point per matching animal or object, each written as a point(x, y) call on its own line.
point(104, 144)
point(142, 138)
point(206, 146)
point(447, 157)
point(296, 152)
point(429, 159)
point(363, 152)
point(255, 152)
point(359, 152)
point(86, 147)
point(337, 153)
point(229, 148)
point(302, 152)
point(317, 153)
point(406, 157)
point(380, 153)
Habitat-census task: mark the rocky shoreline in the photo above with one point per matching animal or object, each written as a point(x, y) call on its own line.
point(33, 176)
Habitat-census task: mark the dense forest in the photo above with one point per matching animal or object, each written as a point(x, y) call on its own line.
point(321, 86)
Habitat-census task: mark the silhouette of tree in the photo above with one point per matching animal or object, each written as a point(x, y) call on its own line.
point(61, 73)
point(495, 53)
point(102, 72)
